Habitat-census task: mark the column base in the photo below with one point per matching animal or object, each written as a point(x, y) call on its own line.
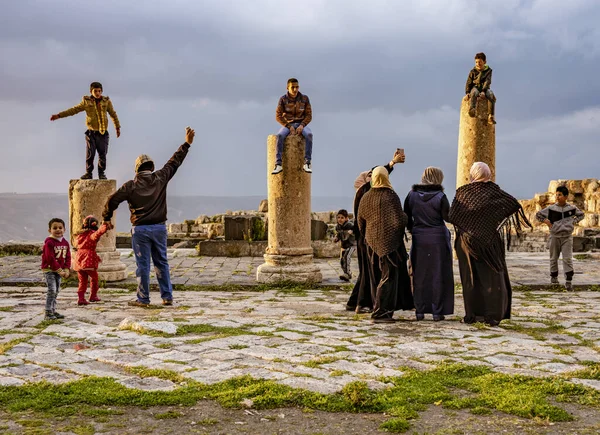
point(111, 269)
point(287, 268)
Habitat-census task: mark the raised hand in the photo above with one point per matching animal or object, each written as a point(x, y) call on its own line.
point(189, 135)
point(54, 117)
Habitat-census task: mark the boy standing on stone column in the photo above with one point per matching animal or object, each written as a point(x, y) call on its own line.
point(294, 113)
point(96, 107)
point(561, 219)
point(478, 85)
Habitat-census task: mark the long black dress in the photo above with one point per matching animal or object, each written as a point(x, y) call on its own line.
point(361, 293)
point(382, 223)
point(431, 253)
point(483, 214)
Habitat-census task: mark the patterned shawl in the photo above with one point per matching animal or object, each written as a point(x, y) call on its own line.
point(483, 212)
point(381, 220)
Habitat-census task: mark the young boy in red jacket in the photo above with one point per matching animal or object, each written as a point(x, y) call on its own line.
point(56, 263)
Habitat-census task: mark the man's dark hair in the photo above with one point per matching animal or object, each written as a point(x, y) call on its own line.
point(563, 190)
point(292, 80)
point(95, 85)
point(53, 220)
point(480, 56)
point(343, 212)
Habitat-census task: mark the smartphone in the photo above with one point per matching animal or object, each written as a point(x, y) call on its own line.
point(400, 150)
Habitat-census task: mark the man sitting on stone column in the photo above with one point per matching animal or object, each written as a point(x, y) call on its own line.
point(294, 113)
point(478, 85)
point(146, 195)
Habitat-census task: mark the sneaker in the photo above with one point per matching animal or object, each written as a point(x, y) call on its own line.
point(86, 176)
point(102, 176)
point(491, 120)
point(82, 302)
point(277, 170)
point(554, 280)
point(345, 277)
point(307, 168)
point(137, 303)
point(95, 299)
point(58, 315)
point(438, 317)
point(569, 286)
point(350, 308)
point(50, 316)
point(472, 112)
point(168, 302)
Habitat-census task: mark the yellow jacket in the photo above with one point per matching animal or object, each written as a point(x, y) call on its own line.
point(96, 118)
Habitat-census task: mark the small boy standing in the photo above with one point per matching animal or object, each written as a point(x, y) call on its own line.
point(56, 263)
point(96, 106)
point(345, 234)
point(561, 219)
point(478, 85)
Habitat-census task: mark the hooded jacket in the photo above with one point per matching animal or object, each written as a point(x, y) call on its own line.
point(563, 219)
point(482, 80)
point(426, 206)
point(146, 194)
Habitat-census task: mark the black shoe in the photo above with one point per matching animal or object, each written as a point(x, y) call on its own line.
point(350, 308)
point(101, 176)
point(438, 317)
point(58, 315)
point(383, 320)
point(345, 277)
point(420, 316)
point(86, 176)
point(363, 310)
point(168, 302)
point(50, 316)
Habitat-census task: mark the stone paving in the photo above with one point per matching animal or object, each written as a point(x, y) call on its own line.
point(189, 269)
point(300, 338)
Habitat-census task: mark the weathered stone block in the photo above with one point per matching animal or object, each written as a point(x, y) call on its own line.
point(244, 228)
point(318, 230)
point(263, 206)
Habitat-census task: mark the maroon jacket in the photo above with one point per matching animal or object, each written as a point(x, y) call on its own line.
point(56, 255)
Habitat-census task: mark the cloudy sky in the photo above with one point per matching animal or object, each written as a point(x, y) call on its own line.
point(380, 75)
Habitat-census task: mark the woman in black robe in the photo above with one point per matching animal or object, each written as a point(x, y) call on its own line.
point(427, 208)
point(360, 300)
point(382, 222)
point(482, 215)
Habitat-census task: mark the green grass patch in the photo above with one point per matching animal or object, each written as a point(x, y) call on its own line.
point(315, 363)
point(238, 346)
point(145, 372)
point(452, 386)
point(5, 347)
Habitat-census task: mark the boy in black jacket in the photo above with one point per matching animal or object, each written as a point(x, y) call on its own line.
point(478, 85)
point(345, 234)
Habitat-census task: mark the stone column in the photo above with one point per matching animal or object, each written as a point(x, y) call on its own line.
point(476, 142)
point(289, 255)
point(88, 197)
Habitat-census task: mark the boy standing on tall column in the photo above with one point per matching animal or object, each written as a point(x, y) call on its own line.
point(96, 107)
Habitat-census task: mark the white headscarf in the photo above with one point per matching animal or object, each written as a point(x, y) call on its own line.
point(361, 180)
point(480, 172)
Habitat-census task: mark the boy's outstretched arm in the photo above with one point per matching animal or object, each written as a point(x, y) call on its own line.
point(69, 112)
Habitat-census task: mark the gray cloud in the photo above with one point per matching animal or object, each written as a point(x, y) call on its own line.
point(379, 76)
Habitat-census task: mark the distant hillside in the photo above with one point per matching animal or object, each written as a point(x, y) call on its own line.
point(26, 216)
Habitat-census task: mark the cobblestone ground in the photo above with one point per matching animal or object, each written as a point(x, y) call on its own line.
point(189, 269)
point(300, 338)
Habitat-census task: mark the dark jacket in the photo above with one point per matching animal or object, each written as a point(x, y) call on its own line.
point(293, 110)
point(146, 194)
point(563, 219)
point(482, 80)
point(426, 206)
point(348, 240)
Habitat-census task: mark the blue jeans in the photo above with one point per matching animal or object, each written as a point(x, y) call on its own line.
point(489, 95)
point(150, 241)
point(283, 133)
point(53, 282)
